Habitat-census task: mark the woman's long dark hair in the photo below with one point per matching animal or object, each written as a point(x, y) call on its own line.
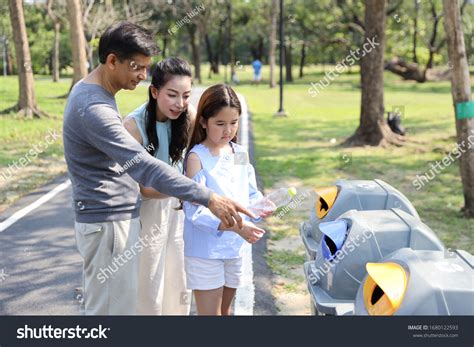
point(164, 71)
point(214, 99)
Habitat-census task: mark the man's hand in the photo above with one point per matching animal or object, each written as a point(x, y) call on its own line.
point(227, 211)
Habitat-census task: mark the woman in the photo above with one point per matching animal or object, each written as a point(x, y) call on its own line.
point(162, 126)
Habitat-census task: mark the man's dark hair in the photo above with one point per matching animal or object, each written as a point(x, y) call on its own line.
point(126, 39)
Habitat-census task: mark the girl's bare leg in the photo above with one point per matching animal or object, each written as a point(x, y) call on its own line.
point(208, 302)
point(227, 297)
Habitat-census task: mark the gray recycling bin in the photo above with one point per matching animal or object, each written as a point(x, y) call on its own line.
point(351, 241)
point(414, 282)
point(345, 195)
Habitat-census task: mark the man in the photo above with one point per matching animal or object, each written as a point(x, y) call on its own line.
point(105, 163)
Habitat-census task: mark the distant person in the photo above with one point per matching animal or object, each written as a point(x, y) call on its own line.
point(257, 71)
point(105, 163)
point(235, 78)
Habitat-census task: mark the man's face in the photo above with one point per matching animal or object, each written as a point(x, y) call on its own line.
point(130, 72)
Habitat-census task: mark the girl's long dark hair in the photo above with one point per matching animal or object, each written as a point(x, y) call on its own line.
point(164, 71)
point(212, 101)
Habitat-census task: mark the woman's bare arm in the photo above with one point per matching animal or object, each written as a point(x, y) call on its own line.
point(147, 192)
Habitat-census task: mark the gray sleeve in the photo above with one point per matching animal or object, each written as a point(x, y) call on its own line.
point(105, 131)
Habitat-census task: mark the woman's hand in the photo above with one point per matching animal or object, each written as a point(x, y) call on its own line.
point(150, 193)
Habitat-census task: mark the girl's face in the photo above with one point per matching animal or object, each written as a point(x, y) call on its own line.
point(173, 98)
point(222, 127)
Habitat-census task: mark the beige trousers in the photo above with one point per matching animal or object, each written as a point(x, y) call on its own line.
point(162, 279)
point(110, 271)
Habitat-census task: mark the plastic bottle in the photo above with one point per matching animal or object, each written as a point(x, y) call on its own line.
point(272, 201)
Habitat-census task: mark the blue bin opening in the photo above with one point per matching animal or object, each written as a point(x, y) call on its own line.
point(334, 235)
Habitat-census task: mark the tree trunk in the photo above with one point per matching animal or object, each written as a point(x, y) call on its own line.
point(90, 55)
point(231, 42)
point(10, 61)
point(302, 58)
point(57, 28)
point(432, 43)
point(27, 100)
point(272, 43)
point(288, 62)
point(210, 55)
point(55, 57)
point(78, 41)
point(261, 48)
point(165, 46)
point(195, 51)
point(461, 91)
point(373, 129)
point(415, 30)
point(219, 48)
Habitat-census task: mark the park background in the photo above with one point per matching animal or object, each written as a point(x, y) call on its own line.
point(308, 147)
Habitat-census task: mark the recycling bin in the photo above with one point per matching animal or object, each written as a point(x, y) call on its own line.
point(351, 241)
point(414, 282)
point(345, 195)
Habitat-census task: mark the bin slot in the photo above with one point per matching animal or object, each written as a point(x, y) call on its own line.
point(335, 234)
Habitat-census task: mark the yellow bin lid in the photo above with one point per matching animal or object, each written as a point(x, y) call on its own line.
point(384, 288)
point(327, 197)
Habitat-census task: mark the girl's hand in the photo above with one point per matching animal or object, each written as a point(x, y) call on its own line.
point(263, 208)
point(250, 232)
point(265, 214)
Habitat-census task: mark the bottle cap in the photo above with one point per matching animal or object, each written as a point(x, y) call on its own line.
point(292, 191)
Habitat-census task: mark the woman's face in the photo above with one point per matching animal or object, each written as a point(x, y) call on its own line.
point(173, 98)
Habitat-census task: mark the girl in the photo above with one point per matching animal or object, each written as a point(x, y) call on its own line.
point(212, 255)
point(161, 125)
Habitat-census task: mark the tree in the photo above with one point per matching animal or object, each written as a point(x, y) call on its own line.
point(195, 50)
point(194, 31)
point(78, 41)
point(26, 106)
point(272, 43)
point(415, 29)
point(461, 91)
point(288, 59)
point(373, 129)
point(56, 18)
point(230, 55)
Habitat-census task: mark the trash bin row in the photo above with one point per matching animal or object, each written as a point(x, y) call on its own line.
point(369, 253)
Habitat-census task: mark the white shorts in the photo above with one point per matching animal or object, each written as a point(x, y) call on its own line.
point(207, 274)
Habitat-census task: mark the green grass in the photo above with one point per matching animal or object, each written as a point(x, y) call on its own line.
point(280, 262)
